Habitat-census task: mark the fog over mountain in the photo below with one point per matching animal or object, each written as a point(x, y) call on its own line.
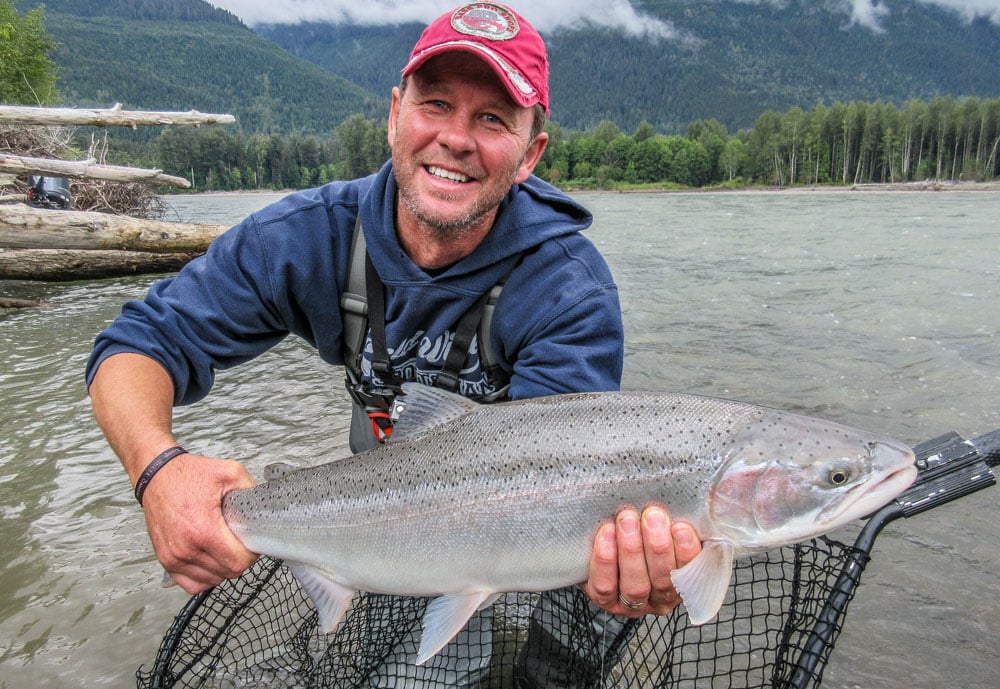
point(555, 14)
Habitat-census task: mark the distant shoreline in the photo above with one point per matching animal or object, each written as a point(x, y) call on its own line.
point(924, 186)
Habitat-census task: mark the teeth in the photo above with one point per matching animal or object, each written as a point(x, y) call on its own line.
point(453, 176)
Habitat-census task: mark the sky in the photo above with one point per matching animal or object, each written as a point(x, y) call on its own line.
point(548, 15)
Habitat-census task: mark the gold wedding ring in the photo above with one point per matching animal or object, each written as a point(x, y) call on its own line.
point(629, 604)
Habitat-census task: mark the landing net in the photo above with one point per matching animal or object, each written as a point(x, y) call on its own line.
point(261, 631)
point(777, 628)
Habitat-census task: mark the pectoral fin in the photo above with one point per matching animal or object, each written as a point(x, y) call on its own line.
point(445, 618)
point(703, 582)
point(330, 598)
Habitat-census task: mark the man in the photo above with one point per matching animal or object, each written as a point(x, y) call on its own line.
point(453, 213)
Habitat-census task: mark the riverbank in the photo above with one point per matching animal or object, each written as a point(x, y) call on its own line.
point(926, 185)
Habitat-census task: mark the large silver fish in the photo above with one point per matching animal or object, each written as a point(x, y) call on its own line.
point(468, 501)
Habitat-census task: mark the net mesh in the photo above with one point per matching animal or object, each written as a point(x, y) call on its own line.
point(261, 631)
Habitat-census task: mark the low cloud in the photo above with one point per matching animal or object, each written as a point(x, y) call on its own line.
point(869, 14)
point(546, 17)
point(551, 15)
point(872, 14)
point(970, 9)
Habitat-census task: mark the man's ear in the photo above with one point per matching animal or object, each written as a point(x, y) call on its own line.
point(393, 114)
point(534, 153)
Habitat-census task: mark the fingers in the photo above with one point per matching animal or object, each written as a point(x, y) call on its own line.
point(602, 582)
point(687, 545)
point(632, 560)
point(184, 517)
point(660, 559)
point(634, 583)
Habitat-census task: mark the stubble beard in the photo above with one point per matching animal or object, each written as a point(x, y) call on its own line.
point(458, 226)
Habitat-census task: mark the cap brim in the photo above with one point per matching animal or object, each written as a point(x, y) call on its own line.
point(522, 92)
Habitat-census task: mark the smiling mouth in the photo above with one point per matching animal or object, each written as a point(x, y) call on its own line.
point(441, 173)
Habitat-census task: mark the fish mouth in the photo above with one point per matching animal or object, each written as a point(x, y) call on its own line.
point(868, 498)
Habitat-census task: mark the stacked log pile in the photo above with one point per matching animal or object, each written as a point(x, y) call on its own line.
point(41, 244)
point(57, 245)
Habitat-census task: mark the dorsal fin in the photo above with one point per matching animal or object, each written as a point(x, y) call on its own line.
point(427, 408)
point(277, 470)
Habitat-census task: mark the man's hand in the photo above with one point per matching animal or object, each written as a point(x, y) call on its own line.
point(183, 506)
point(132, 396)
point(632, 559)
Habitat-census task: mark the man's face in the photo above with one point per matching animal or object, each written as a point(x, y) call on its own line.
point(458, 144)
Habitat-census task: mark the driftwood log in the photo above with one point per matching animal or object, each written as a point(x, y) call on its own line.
point(89, 169)
point(10, 303)
point(21, 115)
point(23, 227)
point(54, 245)
point(61, 265)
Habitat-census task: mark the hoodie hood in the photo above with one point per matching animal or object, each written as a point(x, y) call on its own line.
point(531, 213)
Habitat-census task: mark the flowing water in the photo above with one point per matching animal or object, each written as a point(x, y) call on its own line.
point(879, 310)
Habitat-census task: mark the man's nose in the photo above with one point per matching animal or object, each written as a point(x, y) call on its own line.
point(457, 134)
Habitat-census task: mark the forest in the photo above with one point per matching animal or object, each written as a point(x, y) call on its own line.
point(742, 59)
point(846, 143)
point(842, 144)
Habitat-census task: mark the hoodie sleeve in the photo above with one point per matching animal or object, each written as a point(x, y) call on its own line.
point(564, 322)
point(271, 275)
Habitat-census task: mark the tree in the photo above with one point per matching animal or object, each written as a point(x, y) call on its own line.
point(712, 135)
point(363, 146)
point(644, 131)
point(766, 148)
point(649, 160)
point(733, 156)
point(617, 156)
point(27, 75)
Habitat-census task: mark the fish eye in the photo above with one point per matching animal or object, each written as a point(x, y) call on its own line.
point(838, 477)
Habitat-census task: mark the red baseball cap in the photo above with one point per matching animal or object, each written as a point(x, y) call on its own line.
point(506, 41)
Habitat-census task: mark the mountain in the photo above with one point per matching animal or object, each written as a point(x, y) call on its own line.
point(186, 54)
point(184, 10)
point(732, 61)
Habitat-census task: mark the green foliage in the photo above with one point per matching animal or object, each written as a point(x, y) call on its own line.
point(362, 147)
point(730, 61)
point(184, 10)
point(812, 100)
point(852, 143)
point(207, 66)
point(847, 143)
point(217, 160)
point(27, 75)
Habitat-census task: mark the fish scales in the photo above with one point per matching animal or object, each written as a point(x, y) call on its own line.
point(468, 500)
point(583, 463)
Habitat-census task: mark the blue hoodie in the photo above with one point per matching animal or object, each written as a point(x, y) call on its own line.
point(556, 327)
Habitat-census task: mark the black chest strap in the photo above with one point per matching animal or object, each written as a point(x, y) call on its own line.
point(449, 375)
point(359, 312)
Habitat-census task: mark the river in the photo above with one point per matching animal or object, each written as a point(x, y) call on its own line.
point(875, 309)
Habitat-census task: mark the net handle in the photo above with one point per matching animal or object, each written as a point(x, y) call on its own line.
point(950, 468)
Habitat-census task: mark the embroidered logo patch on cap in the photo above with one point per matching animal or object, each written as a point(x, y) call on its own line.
point(486, 20)
point(507, 42)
